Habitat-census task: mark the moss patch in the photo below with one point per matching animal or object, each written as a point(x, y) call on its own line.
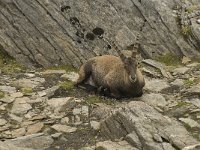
point(8, 65)
point(97, 99)
point(169, 59)
point(66, 85)
point(193, 8)
point(186, 31)
point(26, 90)
point(2, 94)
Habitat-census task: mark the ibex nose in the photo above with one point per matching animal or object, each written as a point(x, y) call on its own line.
point(132, 78)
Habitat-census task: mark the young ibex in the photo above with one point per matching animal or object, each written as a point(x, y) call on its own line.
point(120, 75)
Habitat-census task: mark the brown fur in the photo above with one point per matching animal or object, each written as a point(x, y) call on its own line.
point(109, 71)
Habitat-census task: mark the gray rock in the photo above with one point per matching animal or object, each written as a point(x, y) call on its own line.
point(59, 104)
point(95, 125)
point(109, 145)
point(37, 141)
point(146, 122)
point(71, 76)
point(7, 89)
point(156, 85)
point(181, 70)
point(7, 99)
point(56, 135)
point(159, 31)
point(35, 128)
point(194, 90)
point(16, 118)
point(85, 110)
point(155, 100)
point(76, 111)
point(196, 102)
point(17, 94)
point(54, 72)
point(29, 83)
point(2, 122)
point(11, 146)
point(48, 92)
point(18, 132)
point(177, 82)
point(21, 106)
point(64, 120)
point(63, 128)
point(192, 147)
point(190, 122)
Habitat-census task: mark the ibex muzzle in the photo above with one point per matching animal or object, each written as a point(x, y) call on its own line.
point(120, 75)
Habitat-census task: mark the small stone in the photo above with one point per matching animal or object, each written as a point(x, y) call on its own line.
point(2, 122)
point(155, 100)
point(71, 76)
point(54, 72)
point(58, 104)
point(30, 75)
point(194, 90)
point(76, 111)
point(7, 89)
point(56, 135)
point(3, 107)
point(20, 106)
point(48, 92)
point(181, 70)
point(15, 118)
point(35, 128)
point(190, 122)
point(196, 102)
point(64, 120)
point(95, 125)
point(198, 21)
point(29, 83)
point(177, 82)
point(186, 60)
point(7, 99)
point(85, 110)
point(156, 85)
point(157, 138)
point(63, 128)
point(18, 132)
point(17, 94)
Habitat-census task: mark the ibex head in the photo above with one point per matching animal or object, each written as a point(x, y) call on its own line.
point(130, 63)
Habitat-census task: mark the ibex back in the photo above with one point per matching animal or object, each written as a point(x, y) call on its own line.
point(120, 75)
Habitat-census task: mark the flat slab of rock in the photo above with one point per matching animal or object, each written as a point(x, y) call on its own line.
point(21, 106)
point(155, 100)
point(63, 128)
point(54, 72)
point(109, 145)
point(37, 141)
point(29, 83)
point(10, 146)
point(71, 76)
point(156, 85)
point(7, 89)
point(35, 128)
point(58, 104)
point(151, 129)
point(190, 122)
point(181, 70)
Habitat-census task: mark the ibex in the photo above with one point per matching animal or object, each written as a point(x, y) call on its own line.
point(120, 75)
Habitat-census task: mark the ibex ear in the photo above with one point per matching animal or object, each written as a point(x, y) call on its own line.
point(123, 58)
point(134, 54)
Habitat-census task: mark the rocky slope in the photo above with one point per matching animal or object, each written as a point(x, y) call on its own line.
point(40, 109)
point(55, 32)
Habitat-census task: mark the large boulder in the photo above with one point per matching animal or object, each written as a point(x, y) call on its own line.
point(145, 128)
point(47, 33)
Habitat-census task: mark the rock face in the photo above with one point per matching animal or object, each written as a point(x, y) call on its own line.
point(145, 128)
point(47, 33)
